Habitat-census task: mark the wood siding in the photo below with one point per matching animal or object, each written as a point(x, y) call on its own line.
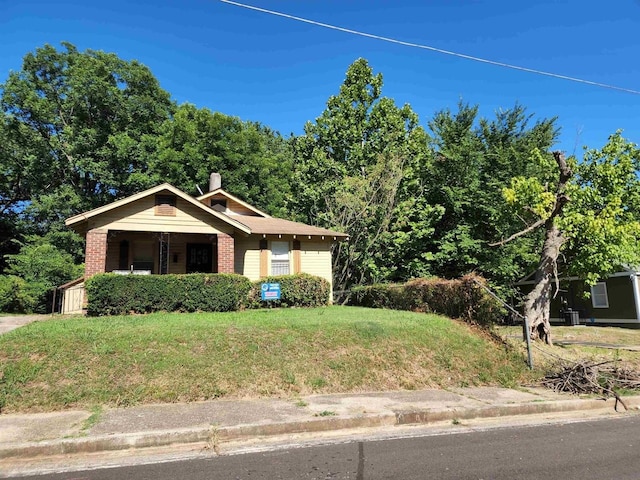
point(233, 207)
point(247, 257)
point(620, 295)
point(621, 309)
point(315, 259)
point(140, 216)
point(73, 299)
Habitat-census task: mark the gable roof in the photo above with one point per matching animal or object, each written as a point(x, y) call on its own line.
point(263, 224)
point(279, 226)
point(82, 217)
point(220, 191)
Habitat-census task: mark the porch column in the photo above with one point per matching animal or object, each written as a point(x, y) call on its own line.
point(225, 253)
point(95, 260)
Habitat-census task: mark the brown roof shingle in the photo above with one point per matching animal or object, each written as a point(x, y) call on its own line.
point(275, 226)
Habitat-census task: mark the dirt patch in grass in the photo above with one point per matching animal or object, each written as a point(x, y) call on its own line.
point(120, 361)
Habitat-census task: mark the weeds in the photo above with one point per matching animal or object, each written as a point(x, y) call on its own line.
point(96, 413)
point(325, 413)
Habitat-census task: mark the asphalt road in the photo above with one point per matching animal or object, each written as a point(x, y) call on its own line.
point(603, 449)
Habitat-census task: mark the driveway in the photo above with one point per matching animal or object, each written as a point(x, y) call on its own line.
point(9, 323)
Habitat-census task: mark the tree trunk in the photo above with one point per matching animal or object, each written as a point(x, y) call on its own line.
point(538, 301)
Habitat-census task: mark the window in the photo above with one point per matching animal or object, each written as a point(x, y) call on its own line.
point(279, 258)
point(143, 256)
point(166, 205)
point(599, 298)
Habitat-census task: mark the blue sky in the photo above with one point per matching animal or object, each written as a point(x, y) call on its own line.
point(280, 72)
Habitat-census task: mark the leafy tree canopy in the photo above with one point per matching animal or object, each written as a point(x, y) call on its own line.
point(474, 158)
point(360, 169)
point(74, 124)
point(588, 211)
point(254, 161)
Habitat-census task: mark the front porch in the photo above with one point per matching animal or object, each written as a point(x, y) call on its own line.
point(154, 253)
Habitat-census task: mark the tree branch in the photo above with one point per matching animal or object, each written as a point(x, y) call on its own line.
point(530, 228)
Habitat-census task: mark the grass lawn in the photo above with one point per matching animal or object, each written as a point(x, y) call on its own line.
point(120, 361)
point(545, 356)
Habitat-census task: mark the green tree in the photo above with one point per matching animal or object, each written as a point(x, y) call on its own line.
point(33, 272)
point(588, 212)
point(73, 126)
point(358, 169)
point(254, 161)
point(474, 158)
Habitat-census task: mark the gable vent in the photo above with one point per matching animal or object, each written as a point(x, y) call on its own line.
point(165, 205)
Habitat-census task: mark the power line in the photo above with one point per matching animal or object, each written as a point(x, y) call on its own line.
point(433, 49)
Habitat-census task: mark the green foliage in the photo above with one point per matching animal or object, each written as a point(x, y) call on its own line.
point(299, 290)
point(34, 271)
point(39, 261)
point(602, 220)
point(14, 295)
point(254, 161)
point(357, 171)
point(111, 294)
point(73, 130)
point(462, 298)
point(475, 158)
point(600, 224)
point(380, 295)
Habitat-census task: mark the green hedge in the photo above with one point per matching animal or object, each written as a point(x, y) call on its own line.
point(462, 298)
point(299, 290)
point(111, 294)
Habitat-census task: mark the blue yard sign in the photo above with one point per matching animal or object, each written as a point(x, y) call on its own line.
point(270, 291)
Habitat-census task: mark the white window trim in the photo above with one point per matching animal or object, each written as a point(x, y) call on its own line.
point(601, 294)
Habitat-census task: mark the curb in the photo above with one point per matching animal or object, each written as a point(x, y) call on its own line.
point(216, 435)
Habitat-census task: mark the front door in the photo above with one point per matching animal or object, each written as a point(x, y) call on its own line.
point(199, 258)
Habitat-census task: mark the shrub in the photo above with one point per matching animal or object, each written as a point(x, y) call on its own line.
point(111, 294)
point(14, 297)
point(299, 290)
point(40, 267)
point(380, 295)
point(462, 298)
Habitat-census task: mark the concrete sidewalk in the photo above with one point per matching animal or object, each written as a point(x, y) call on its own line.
point(24, 437)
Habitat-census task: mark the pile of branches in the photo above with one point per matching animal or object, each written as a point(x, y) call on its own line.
point(604, 378)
